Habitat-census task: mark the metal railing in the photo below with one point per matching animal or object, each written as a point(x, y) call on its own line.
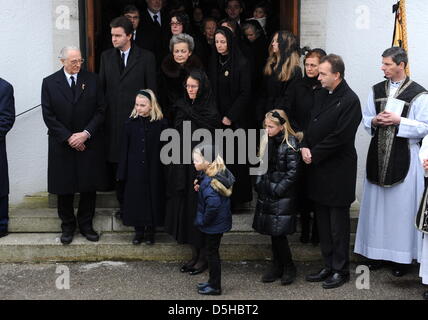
point(22, 113)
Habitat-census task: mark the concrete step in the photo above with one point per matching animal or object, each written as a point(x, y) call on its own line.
point(38, 248)
point(45, 220)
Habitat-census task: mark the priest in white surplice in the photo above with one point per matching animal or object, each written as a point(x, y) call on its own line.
point(423, 272)
point(397, 118)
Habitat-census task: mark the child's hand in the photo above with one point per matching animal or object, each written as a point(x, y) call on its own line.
point(196, 185)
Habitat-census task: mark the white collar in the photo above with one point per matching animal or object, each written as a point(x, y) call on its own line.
point(396, 84)
point(126, 52)
point(70, 75)
point(154, 14)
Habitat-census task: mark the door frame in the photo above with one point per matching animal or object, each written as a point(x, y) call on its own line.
point(87, 25)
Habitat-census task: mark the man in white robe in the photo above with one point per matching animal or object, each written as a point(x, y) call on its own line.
point(386, 227)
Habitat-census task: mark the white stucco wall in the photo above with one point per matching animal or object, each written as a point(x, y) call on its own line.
point(359, 31)
point(33, 32)
point(29, 49)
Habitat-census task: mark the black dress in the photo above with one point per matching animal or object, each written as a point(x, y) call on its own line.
point(181, 204)
point(231, 79)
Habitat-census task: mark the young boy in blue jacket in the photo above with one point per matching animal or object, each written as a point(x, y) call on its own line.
point(213, 216)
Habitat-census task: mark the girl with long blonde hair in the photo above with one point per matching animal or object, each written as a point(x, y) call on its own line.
point(275, 210)
point(140, 169)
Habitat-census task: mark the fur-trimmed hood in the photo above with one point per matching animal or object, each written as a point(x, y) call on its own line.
point(172, 69)
point(223, 183)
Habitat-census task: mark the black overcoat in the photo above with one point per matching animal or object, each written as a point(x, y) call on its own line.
point(71, 171)
point(331, 138)
point(7, 119)
point(141, 170)
point(121, 90)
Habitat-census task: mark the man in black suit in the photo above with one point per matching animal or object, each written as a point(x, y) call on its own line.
point(125, 69)
point(329, 151)
point(73, 109)
point(7, 119)
point(144, 41)
point(155, 25)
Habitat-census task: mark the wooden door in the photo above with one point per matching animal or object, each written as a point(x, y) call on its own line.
point(290, 16)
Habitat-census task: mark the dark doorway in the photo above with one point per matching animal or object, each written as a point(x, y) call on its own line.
point(98, 14)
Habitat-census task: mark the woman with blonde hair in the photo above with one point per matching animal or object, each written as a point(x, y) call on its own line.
point(275, 210)
point(140, 169)
point(281, 72)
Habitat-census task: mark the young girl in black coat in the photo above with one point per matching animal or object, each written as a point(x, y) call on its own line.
point(140, 168)
point(275, 210)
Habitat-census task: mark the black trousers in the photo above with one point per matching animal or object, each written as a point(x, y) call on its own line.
point(334, 232)
point(213, 256)
point(281, 251)
point(85, 212)
point(4, 213)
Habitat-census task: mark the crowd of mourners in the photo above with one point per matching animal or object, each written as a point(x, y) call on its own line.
point(212, 65)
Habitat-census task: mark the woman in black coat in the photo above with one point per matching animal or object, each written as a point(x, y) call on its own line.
point(275, 211)
point(141, 170)
point(174, 70)
point(198, 107)
point(280, 74)
point(230, 75)
point(301, 106)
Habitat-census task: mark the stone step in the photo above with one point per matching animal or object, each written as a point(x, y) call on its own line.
point(45, 220)
point(39, 248)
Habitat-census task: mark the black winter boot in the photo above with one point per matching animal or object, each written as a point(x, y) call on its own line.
point(289, 274)
point(274, 272)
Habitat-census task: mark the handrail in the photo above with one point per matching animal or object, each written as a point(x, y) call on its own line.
point(28, 111)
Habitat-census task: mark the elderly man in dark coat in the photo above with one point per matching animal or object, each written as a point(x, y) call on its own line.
point(125, 69)
point(73, 110)
point(329, 151)
point(7, 119)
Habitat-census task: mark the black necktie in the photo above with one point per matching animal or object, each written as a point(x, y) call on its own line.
point(73, 86)
point(155, 17)
point(122, 63)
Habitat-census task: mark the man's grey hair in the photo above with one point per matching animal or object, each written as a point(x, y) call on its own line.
point(397, 55)
point(182, 38)
point(64, 51)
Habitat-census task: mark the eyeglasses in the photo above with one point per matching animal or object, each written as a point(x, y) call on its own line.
point(175, 24)
point(187, 86)
point(76, 62)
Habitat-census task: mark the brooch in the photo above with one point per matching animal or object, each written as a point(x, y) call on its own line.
point(83, 87)
point(226, 74)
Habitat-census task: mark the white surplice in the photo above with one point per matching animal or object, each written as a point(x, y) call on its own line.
point(423, 272)
point(386, 226)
